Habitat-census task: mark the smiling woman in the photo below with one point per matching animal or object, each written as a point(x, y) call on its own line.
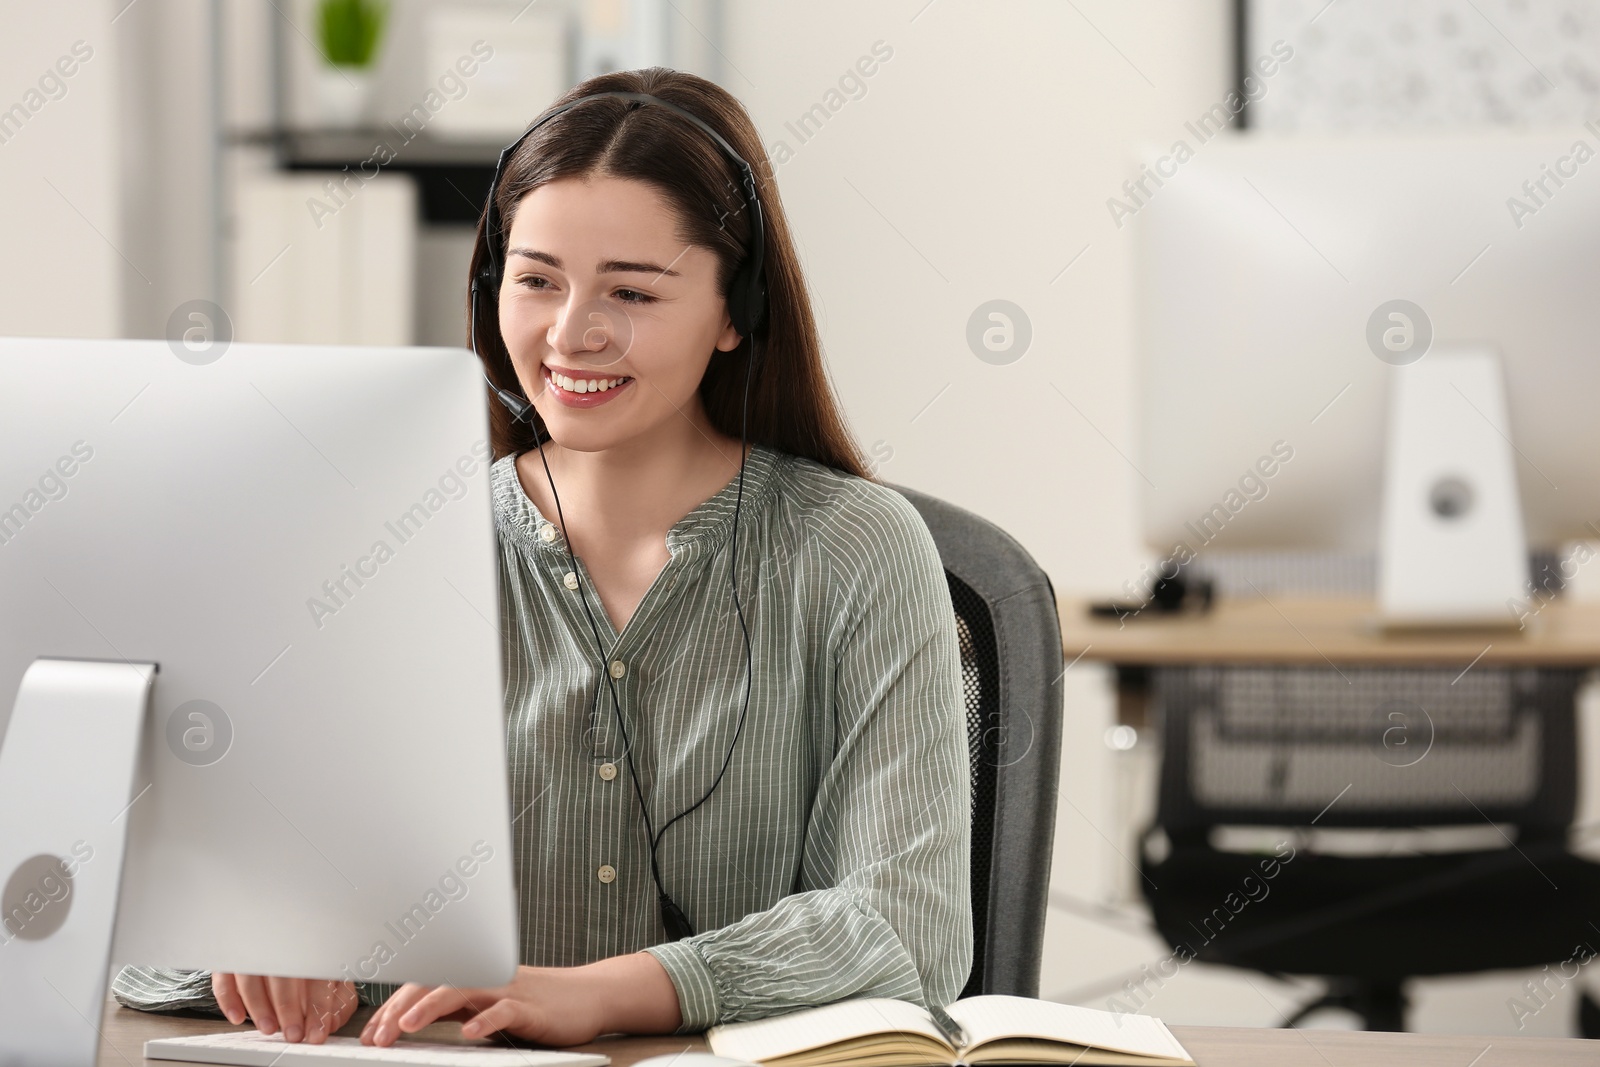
point(735, 728)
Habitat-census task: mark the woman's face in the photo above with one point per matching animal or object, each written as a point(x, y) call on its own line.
point(609, 318)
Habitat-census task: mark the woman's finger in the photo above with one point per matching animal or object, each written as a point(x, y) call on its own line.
point(316, 1011)
point(257, 1002)
point(500, 1015)
point(374, 1023)
point(383, 1027)
point(288, 1002)
point(441, 1000)
point(331, 1005)
point(226, 990)
point(319, 1009)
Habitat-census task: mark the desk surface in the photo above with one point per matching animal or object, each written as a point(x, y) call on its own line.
point(1212, 1046)
point(1303, 630)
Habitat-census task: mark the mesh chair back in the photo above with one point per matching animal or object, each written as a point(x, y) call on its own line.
point(1366, 747)
point(1011, 665)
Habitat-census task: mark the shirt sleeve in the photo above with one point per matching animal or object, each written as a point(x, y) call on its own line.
point(166, 989)
point(887, 911)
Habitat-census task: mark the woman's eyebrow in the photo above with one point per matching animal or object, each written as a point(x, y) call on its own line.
point(608, 266)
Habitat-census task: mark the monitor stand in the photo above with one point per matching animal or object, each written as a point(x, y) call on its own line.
point(1452, 552)
point(67, 767)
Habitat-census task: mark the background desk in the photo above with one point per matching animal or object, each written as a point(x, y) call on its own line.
point(126, 1031)
point(1301, 630)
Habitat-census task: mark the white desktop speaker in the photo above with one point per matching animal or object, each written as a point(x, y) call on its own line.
point(1452, 547)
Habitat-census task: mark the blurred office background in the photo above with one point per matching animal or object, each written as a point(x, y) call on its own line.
point(202, 158)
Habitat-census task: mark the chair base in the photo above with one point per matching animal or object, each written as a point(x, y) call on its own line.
point(1380, 1005)
point(1375, 919)
point(1588, 1016)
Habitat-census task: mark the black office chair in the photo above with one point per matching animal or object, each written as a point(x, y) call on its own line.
point(1011, 666)
point(1304, 749)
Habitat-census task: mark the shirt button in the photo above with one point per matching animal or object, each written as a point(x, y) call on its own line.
point(618, 668)
point(606, 873)
point(547, 532)
point(608, 771)
point(571, 579)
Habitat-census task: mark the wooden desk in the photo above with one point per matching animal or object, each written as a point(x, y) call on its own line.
point(1299, 630)
point(1212, 1046)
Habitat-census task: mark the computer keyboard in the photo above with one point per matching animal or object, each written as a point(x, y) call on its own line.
point(255, 1049)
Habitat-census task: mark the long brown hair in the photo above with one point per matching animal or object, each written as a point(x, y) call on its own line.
point(792, 406)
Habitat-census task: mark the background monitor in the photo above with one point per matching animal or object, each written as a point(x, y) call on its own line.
point(1264, 259)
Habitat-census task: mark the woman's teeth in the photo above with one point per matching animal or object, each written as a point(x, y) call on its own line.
point(586, 385)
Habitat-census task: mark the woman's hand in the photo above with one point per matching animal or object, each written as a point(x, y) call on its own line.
point(557, 1006)
point(308, 1008)
point(550, 1005)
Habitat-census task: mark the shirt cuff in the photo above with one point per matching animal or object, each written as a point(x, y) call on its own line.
point(697, 989)
point(164, 989)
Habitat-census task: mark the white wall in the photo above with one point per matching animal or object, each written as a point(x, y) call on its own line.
point(109, 216)
point(64, 265)
point(166, 174)
point(977, 166)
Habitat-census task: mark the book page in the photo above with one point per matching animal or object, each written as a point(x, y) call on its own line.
point(990, 1017)
point(809, 1028)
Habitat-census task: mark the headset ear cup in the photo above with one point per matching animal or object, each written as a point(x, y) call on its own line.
point(739, 309)
point(758, 314)
point(747, 301)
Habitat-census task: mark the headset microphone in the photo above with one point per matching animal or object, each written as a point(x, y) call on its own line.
point(520, 409)
point(747, 311)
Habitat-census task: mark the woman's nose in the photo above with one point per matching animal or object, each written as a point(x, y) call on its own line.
point(593, 326)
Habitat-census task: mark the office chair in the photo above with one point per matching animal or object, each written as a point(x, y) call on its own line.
point(1303, 749)
point(1011, 667)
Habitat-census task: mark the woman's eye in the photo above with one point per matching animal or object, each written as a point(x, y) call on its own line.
point(540, 284)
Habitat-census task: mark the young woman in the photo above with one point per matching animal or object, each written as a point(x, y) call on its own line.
point(815, 839)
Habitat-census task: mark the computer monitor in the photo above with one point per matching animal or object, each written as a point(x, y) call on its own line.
point(1268, 269)
point(250, 620)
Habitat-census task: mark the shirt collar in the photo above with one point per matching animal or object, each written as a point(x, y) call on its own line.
point(703, 529)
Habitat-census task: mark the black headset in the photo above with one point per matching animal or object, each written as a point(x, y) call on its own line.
point(747, 299)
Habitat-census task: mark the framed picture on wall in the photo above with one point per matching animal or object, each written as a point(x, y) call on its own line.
point(1416, 64)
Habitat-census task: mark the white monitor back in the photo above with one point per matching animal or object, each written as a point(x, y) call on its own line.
point(1261, 261)
point(339, 808)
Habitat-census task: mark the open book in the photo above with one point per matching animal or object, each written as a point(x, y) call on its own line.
point(878, 1032)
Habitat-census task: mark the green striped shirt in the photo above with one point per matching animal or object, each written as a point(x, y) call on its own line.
point(832, 860)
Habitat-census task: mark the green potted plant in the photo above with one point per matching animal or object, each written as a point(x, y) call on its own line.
point(348, 33)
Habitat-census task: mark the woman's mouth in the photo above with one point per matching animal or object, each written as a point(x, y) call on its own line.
point(584, 389)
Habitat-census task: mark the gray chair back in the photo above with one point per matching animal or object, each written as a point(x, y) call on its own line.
point(1011, 666)
point(1422, 746)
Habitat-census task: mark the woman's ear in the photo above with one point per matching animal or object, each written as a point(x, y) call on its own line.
point(729, 338)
